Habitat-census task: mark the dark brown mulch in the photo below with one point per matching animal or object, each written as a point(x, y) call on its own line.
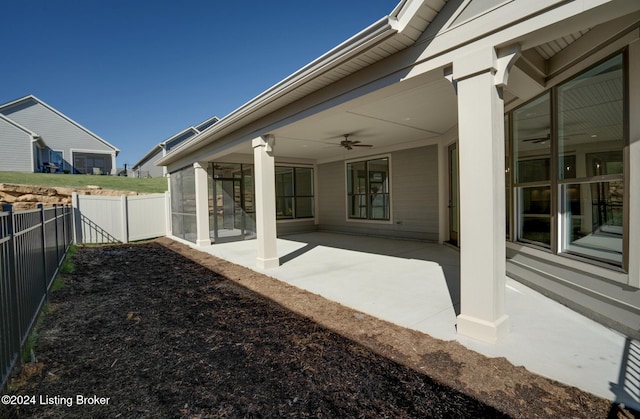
point(163, 336)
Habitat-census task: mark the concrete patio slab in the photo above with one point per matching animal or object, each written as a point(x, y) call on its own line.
point(416, 285)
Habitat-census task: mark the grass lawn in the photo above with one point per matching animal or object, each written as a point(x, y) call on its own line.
point(120, 183)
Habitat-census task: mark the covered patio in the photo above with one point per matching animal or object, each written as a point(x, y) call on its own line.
point(415, 284)
point(443, 124)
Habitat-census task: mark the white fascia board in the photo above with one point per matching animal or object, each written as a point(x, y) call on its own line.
point(374, 34)
point(380, 31)
point(338, 55)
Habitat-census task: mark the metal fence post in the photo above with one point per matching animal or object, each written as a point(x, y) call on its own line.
point(55, 223)
point(43, 238)
point(125, 219)
point(77, 218)
point(14, 322)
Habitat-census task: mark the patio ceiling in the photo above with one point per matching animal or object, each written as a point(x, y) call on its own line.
point(404, 113)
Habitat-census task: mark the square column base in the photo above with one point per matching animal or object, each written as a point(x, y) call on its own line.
point(267, 263)
point(490, 332)
point(203, 242)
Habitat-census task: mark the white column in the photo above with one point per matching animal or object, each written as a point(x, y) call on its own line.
point(265, 201)
point(633, 241)
point(114, 168)
point(482, 196)
point(202, 204)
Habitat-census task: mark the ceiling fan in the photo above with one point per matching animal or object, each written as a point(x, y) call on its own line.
point(539, 140)
point(349, 144)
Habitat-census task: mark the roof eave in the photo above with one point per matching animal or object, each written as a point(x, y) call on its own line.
point(376, 33)
point(341, 53)
point(161, 145)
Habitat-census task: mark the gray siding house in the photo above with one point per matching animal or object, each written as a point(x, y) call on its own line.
point(146, 166)
point(35, 137)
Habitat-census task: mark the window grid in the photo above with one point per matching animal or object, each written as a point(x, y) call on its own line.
point(368, 190)
point(294, 192)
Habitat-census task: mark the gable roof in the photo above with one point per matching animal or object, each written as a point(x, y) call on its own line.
point(6, 109)
point(206, 124)
point(178, 138)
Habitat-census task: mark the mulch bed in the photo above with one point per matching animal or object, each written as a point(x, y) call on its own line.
point(163, 336)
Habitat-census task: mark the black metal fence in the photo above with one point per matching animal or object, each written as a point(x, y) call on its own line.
point(33, 245)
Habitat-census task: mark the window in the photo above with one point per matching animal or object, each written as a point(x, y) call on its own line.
point(55, 158)
point(591, 168)
point(368, 189)
point(532, 153)
point(569, 162)
point(294, 192)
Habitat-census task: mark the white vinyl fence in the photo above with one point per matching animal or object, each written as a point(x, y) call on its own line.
point(111, 219)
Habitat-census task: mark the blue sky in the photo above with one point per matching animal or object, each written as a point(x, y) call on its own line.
point(135, 72)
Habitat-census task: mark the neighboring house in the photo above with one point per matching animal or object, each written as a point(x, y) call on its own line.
point(146, 166)
point(507, 128)
point(35, 137)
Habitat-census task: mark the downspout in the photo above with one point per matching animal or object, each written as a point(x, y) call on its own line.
point(34, 142)
point(165, 171)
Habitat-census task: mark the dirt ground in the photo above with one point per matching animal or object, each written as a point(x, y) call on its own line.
point(159, 330)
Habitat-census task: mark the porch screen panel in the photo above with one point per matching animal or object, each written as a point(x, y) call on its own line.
point(183, 204)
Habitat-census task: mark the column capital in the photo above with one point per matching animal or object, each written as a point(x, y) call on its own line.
point(477, 62)
point(268, 141)
point(485, 60)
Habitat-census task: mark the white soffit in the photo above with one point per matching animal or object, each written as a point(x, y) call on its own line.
point(550, 49)
point(410, 20)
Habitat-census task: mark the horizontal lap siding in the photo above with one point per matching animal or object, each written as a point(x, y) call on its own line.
point(58, 133)
point(331, 194)
point(415, 190)
point(294, 227)
point(149, 167)
point(15, 149)
point(414, 197)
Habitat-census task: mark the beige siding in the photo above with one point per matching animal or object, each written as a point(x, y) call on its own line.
point(295, 227)
point(415, 190)
point(414, 197)
point(149, 168)
point(331, 194)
